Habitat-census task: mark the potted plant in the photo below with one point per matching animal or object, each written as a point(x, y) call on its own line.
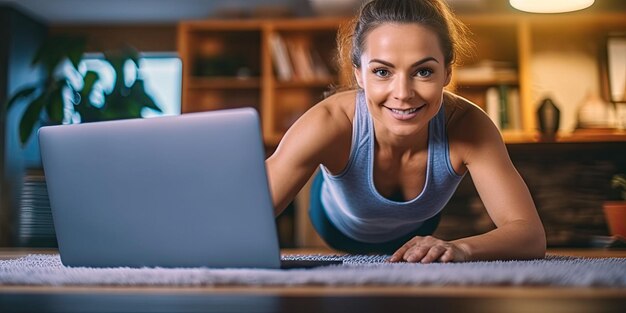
point(615, 211)
point(123, 101)
point(47, 97)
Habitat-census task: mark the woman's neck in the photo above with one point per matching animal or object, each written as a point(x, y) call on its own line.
point(400, 146)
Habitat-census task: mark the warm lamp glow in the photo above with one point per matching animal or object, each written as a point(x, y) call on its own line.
point(550, 6)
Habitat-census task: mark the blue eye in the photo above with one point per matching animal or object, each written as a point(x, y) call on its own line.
point(424, 72)
point(381, 72)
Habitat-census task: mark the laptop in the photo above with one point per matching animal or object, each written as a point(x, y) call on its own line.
point(174, 191)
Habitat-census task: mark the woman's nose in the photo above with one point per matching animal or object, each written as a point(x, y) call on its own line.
point(403, 89)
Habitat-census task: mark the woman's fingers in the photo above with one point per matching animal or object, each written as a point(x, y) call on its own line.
point(399, 254)
point(434, 254)
point(425, 250)
point(447, 256)
point(416, 253)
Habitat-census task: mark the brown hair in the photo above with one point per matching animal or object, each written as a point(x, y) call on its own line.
point(434, 14)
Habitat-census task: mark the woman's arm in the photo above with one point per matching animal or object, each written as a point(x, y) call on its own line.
point(477, 145)
point(519, 233)
point(320, 136)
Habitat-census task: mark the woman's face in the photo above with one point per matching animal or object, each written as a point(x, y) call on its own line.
point(402, 74)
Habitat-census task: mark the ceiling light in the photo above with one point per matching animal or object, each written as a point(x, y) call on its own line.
point(550, 6)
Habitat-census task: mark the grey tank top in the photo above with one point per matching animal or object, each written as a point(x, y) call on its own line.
point(352, 202)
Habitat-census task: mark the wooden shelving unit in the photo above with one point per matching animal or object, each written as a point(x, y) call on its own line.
point(519, 39)
point(231, 63)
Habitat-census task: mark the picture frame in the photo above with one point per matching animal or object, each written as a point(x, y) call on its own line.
point(616, 67)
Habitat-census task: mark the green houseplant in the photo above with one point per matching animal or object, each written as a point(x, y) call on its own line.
point(615, 211)
point(47, 97)
point(619, 182)
point(123, 101)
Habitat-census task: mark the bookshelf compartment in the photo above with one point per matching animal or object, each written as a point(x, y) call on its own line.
point(493, 40)
point(300, 56)
point(291, 103)
point(225, 53)
point(249, 42)
point(224, 83)
point(218, 99)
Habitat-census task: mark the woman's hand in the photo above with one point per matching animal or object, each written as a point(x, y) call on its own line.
point(429, 249)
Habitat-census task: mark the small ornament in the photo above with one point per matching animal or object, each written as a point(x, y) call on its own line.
point(549, 117)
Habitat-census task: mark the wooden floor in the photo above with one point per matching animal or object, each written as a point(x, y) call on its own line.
point(313, 298)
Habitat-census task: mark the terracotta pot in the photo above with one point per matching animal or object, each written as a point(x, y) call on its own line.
point(615, 213)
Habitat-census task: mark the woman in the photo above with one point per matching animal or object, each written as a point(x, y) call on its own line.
point(392, 152)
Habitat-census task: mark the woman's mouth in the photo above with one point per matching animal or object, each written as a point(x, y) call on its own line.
point(404, 114)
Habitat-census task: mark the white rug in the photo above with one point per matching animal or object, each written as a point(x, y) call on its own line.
point(39, 269)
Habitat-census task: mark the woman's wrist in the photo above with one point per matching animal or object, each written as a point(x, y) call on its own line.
point(465, 249)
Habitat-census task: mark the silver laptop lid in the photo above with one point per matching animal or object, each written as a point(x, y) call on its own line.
point(181, 191)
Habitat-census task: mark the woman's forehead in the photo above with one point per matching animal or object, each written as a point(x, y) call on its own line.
point(391, 39)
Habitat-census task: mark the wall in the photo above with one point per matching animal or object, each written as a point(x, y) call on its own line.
point(20, 37)
point(152, 38)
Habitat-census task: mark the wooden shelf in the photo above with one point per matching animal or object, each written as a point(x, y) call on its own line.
point(593, 136)
point(583, 136)
point(228, 46)
point(315, 83)
point(224, 83)
point(485, 82)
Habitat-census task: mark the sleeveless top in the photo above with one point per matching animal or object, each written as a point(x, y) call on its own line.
point(352, 202)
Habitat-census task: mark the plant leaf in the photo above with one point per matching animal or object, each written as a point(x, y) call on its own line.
point(117, 60)
point(57, 48)
point(31, 116)
point(130, 53)
point(89, 80)
point(23, 93)
point(76, 49)
point(55, 106)
point(138, 92)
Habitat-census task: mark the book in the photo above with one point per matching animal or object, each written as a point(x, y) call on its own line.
point(319, 66)
point(503, 93)
point(514, 109)
point(502, 104)
point(492, 105)
point(302, 60)
point(280, 56)
point(34, 225)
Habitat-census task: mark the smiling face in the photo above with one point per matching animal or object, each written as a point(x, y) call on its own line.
point(402, 73)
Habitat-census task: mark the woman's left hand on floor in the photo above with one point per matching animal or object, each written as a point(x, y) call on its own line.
point(427, 250)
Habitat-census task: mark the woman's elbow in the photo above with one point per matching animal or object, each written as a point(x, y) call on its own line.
point(538, 243)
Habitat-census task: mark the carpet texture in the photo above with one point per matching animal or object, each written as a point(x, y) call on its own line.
point(356, 270)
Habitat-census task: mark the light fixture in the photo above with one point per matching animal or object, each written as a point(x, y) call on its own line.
point(550, 6)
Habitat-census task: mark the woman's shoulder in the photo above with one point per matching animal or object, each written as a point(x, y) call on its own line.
point(457, 107)
point(323, 134)
point(467, 122)
point(331, 118)
point(340, 105)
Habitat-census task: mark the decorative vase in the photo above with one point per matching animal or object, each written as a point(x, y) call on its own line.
point(615, 214)
point(549, 117)
point(595, 113)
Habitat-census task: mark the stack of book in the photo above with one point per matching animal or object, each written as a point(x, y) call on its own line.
point(487, 71)
point(295, 59)
point(503, 107)
point(502, 101)
point(34, 217)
